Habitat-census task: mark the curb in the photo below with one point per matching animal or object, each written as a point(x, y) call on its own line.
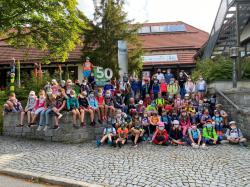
point(46, 178)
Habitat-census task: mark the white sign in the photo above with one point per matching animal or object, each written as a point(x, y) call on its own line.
point(160, 58)
point(122, 57)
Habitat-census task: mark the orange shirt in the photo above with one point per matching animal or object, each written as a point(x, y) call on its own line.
point(87, 66)
point(155, 119)
point(123, 133)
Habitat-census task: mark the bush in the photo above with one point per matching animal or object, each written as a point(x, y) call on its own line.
point(219, 68)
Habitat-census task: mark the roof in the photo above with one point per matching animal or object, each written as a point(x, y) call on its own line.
point(193, 38)
point(7, 53)
point(190, 41)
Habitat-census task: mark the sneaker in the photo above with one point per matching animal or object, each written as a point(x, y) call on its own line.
point(45, 128)
point(243, 144)
point(195, 146)
point(135, 145)
point(39, 128)
point(99, 121)
point(119, 144)
point(203, 146)
point(83, 124)
point(60, 116)
point(98, 143)
point(74, 125)
point(110, 142)
point(56, 127)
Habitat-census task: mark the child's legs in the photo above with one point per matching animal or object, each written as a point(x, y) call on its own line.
point(56, 121)
point(47, 112)
point(242, 140)
point(42, 118)
point(104, 138)
point(74, 116)
point(98, 113)
point(22, 117)
point(91, 113)
point(184, 130)
point(54, 109)
point(28, 116)
point(82, 113)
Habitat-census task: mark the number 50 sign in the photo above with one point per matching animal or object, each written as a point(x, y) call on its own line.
point(102, 75)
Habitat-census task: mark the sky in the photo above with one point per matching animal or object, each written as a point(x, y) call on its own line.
point(198, 13)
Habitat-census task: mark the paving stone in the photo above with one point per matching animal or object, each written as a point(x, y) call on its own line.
point(148, 165)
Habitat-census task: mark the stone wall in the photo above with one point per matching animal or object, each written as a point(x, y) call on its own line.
point(66, 133)
point(241, 114)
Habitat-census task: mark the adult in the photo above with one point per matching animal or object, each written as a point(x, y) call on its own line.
point(182, 81)
point(159, 75)
point(168, 76)
point(189, 86)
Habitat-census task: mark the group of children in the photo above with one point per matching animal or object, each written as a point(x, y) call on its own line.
point(163, 110)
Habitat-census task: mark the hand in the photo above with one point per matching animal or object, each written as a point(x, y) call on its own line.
point(214, 142)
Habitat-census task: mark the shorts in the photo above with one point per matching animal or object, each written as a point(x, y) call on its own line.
point(201, 91)
point(86, 73)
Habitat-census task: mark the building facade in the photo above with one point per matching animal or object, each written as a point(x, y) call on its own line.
point(166, 45)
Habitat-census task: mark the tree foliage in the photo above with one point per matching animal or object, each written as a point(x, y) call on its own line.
point(49, 25)
point(101, 37)
point(220, 68)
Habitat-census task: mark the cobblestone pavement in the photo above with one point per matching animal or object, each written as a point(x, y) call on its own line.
point(146, 165)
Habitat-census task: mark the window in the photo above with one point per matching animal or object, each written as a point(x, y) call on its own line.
point(168, 28)
point(144, 30)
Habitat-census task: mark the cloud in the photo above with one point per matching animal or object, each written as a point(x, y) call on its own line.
point(199, 13)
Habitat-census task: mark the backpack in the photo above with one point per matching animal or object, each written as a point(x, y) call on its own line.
point(238, 131)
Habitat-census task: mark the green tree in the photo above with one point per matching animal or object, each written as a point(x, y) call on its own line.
point(49, 25)
point(102, 35)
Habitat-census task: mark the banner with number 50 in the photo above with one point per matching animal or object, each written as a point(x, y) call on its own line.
point(102, 75)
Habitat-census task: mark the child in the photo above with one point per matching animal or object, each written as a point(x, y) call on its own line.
point(93, 105)
point(205, 117)
point(160, 136)
point(85, 108)
point(101, 104)
point(151, 108)
point(68, 87)
point(194, 136)
point(234, 135)
point(31, 102)
point(185, 122)
point(218, 120)
point(140, 108)
point(201, 87)
point(61, 99)
point(39, 107)
point(73, 106)
point(178, 102)
point(109, 134)
point(166, 120)
point(50, 106)
point(109, 104)
point(155, 88)
point(84, 86)
point(12, 104)
point(145, 124)
point(175, 134)
point(154, 120)
point(160, 103)
point(209, 134)
point(54, 86)
point(163, 88)
point(136, 131)
point(122, 135)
